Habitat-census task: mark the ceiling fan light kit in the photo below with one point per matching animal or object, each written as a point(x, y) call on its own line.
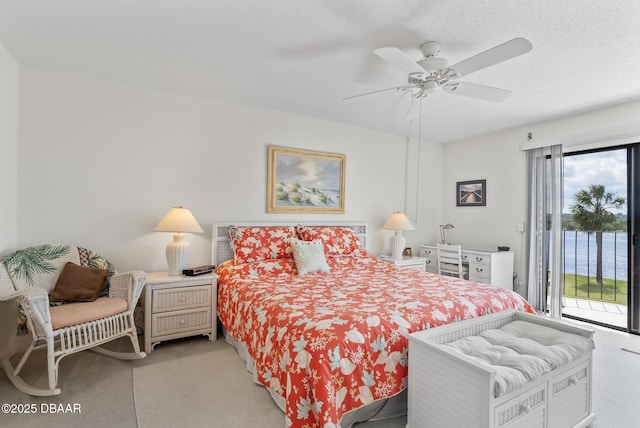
point(431, 61)
point(428, 74)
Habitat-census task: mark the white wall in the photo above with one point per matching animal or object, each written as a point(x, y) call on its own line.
point(9, 72)
point(101, 163)
point(498, 159)
point(9, 149)
point(616, 124)
point(424, 193)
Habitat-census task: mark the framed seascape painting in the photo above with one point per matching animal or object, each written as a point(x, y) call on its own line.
point(305, 181)
point(471, 193)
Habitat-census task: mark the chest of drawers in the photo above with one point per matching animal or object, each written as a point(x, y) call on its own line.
point(178, 306)
point(487, 267)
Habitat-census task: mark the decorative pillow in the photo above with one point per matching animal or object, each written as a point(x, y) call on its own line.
point(79, 283)
point(309, 256)
point(336, 240)
point(39, 266)
point(252, 244)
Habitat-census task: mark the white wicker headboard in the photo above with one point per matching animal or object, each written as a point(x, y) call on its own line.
point(221, 250)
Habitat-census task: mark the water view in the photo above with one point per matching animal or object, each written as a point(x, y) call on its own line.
point(606, 168)
point(595, 182)
point(580, 253)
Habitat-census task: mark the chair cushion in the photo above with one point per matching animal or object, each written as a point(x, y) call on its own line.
point(79, 283)
point(80, 312)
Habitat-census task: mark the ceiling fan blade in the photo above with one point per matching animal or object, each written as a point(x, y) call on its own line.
point(398, 58)
point(503, 52)
point(474, 90)
point(374, 92)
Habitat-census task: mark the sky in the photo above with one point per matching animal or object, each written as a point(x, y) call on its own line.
point(308, 171)
point(608, 168)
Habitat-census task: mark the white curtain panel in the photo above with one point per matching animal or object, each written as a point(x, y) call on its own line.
point(544, 240)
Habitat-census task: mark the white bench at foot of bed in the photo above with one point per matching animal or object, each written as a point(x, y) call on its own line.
point(448, 389)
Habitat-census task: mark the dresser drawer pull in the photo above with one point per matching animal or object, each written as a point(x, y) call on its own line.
point(183, 321)
point(479, 270)
point(524, 409)
point(479, 259)
point(183, 298)
point(428, 262)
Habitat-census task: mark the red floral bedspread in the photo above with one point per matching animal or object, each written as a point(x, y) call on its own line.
point(330, 343)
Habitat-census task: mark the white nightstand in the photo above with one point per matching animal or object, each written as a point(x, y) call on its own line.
point(418, 263)
point(179, 306)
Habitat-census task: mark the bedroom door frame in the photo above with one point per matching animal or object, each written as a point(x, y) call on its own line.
point(633, 227)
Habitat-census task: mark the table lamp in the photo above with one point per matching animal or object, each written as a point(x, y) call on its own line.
point(398, 222)
point(443, 228)
point(179, 221)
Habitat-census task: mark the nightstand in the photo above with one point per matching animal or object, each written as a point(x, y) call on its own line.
point(418, 263)
point(179, 306)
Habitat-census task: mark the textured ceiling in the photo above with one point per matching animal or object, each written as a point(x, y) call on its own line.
point(303, 56)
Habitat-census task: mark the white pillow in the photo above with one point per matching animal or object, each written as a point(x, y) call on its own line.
point(309, 256)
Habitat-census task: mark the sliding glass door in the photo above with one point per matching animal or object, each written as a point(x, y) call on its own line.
point(601, 209)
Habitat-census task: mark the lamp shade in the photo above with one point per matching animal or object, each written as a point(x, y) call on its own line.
point(398, 221)
point(179, 219)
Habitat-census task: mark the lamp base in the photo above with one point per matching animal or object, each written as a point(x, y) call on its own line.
point(397, 245)
point(178, 254)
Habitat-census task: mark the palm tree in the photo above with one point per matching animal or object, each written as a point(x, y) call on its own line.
point(590, 213)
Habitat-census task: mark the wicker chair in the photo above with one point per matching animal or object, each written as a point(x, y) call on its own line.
point(68, 328)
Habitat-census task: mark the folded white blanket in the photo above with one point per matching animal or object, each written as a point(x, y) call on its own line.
point(520, 351)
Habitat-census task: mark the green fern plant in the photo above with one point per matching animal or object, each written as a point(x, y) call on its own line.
point(27, 263)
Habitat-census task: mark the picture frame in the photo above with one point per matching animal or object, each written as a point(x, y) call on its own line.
point(472, 193)
point(305, 181)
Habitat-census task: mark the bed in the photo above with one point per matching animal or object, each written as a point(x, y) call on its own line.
point(324, 325)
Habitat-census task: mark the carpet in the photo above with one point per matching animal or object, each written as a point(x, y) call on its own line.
point(212, 389)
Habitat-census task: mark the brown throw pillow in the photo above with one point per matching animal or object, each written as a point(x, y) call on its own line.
point(79, 283)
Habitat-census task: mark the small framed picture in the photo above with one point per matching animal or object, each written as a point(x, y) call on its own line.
point(471, 193)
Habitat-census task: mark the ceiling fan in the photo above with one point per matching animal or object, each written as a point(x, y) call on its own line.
point(433, 73)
